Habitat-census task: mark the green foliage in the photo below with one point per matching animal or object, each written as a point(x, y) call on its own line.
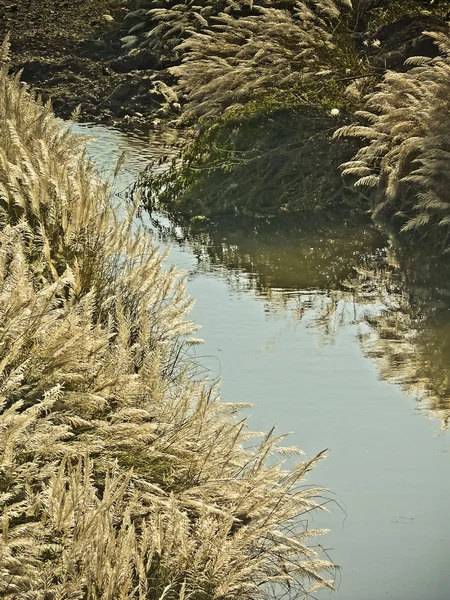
point(256, 161)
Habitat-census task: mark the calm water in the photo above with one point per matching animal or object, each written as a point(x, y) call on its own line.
point(334, 341)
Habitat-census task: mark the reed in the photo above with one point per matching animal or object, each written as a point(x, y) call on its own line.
point(121, 474)
point(404, 160)
point(264, 85)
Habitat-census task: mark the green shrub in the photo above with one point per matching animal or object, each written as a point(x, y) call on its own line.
point(266, 164)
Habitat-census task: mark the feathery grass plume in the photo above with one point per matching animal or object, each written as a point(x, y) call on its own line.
point(121, 475)
point(406, 159)
point(232, 51)
point(161, 29)
point(4, 49)
point(243, 58)
point(264, 86)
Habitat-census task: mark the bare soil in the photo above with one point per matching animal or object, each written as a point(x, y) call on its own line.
point(69, 51)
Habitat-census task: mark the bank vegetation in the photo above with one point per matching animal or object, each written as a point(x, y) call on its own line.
point(283, 96)
point(122, 473)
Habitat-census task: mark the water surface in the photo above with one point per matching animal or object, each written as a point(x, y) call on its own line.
point(332, 339)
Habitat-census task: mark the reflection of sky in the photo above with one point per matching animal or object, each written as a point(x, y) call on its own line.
point(387, 467)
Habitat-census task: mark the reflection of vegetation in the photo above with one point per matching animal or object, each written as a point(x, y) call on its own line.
point(311, 258)
point(334, 276)
point(434, 361)
point(408, 337)
point(405, 326)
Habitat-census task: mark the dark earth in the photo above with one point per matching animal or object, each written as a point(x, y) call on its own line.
point(70, 51)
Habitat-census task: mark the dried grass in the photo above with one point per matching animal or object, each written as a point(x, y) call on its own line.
point(121, 476)
point(406, 156)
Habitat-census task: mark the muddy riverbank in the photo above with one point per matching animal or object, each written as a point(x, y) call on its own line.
point(70, 52)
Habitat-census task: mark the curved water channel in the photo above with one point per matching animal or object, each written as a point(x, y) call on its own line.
point(325, 334)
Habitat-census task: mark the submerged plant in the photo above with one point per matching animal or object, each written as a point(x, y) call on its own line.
point(121, 474)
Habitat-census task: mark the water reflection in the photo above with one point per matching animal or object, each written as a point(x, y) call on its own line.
point(324, 276)
point(332, 276)
point(408, 338)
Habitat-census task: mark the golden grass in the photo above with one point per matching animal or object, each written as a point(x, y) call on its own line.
point(405, 156)
point(121, 476)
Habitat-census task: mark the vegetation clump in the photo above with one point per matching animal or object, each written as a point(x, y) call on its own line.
point(268, 83)
point(266, 89)
point(258, 165)
point(121, 474)
point(405, 159)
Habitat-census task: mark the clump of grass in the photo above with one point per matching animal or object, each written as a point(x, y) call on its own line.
point(240, 64)
point(265, 88)
point(405, 160)
point(243, 58)
point(121, 475)
point(162, 29)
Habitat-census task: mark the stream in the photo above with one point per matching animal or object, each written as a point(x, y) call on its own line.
point(326, 337)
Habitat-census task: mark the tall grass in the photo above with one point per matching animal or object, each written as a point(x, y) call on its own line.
point(406, 158)
point(121, 474)
point(224, 54)
point(241, 58)
point(264, 84)
point(237, 62)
